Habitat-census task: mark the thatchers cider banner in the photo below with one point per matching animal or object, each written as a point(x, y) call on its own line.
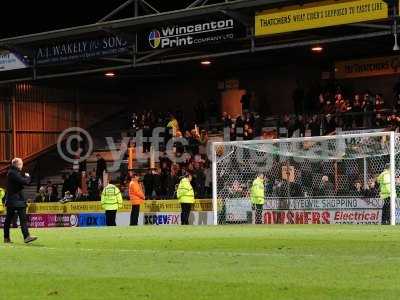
point(317, 15)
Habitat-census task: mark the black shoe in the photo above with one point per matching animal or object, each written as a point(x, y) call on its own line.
point(7, 241)
point(30, 239)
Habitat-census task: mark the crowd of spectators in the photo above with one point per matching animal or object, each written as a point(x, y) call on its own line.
point(330, 111)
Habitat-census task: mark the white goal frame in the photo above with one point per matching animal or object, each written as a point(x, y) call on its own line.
point(390, 135)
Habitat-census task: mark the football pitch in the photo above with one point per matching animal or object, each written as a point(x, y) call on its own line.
point(223, 262)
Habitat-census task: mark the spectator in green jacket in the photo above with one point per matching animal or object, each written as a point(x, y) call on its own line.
point(185, 195)
point(111, 201)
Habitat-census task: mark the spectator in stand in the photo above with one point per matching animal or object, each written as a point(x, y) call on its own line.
point(147, 131)
point(379, 103)
point(172, 127)
point(371, 191)
point(93, 187)
point(258, 125)
point(148, 184)
point(247, 132)
point(198, 181)
point(236, 190)
point(101, 167)
point(74, 183)
point(357, 110)
point(170, 183)
point(330, 125)
point(51, 196)
point(227, 120)
point(358, 191)
point(41, 196)
point(367, 108)
point(194, 143)
point(329, 108)
point(396, 106)
point(239, 124)
point(157, 184)
point(315, 126)
point(300, 125)
point(66, 184)
point(245, 100)
point(321, 103)
point(51, 190)
point(249, 119)
point(325, 188)
point(68, 197)
point(208, 180)
point(379, 121)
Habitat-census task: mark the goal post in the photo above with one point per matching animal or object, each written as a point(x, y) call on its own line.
point(311, 180)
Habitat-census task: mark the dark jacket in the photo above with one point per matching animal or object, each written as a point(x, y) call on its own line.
point(101, 166)
point(15, 185)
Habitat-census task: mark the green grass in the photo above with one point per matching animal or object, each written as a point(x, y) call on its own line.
point(225, 262)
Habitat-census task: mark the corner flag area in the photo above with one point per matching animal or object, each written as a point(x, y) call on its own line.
point(224, 262)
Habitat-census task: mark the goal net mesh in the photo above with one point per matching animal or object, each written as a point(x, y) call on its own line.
point(322, 180)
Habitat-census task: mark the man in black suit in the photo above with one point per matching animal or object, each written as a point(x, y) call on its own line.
point(15, 200)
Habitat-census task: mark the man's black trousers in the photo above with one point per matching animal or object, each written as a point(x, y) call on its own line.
point(186, 208)
point(386, 211)
point(110, 217)
point(135, 215)
point(258, 216)
point(23, 220)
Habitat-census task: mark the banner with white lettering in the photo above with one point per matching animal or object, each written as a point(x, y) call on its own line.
point(9, 61)
point(68, 51)
point(240, 209)
point(212, 30)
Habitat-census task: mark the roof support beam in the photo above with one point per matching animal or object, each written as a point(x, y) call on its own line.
point(140, 20)
point(150, 6)
point(211, 55)
point(115, 11)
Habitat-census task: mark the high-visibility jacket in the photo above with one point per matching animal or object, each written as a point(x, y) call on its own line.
point(111, 198)
point(2, 194)
point(257, 191)
point(185, 191)
point(384, 184)
point(173, 123)
point(136, 194)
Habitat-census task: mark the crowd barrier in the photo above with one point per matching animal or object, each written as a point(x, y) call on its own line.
point(167, 212)
point(91, 214)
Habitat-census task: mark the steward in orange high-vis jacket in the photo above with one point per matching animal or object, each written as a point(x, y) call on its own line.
point(136, 196)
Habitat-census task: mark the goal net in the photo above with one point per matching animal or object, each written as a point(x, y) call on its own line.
point(315, 180)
